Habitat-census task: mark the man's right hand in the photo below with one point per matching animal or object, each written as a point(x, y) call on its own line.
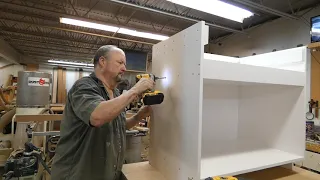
point(143, 85)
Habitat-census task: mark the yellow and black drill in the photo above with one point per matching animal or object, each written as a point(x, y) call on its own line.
point(222, 178)
point(151, 97)
point(226, 178)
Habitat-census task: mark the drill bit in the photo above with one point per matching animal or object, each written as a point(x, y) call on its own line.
point(156, 78)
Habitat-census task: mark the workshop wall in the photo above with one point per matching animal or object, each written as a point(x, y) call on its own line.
point(3, 62)
point(73, 74)
point(7, 69)
point(278, 34)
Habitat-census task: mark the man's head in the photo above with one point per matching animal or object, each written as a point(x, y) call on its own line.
point(110, 61)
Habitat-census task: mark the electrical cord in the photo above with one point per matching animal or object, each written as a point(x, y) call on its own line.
point(9, 175)
point(36, 152)
point(43, 163)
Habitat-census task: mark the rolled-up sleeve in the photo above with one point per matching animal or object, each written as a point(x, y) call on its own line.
point(84, 99)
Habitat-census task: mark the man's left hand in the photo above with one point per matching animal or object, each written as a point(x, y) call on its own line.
point(143, 112)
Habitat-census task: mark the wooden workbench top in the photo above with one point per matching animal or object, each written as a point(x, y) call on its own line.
point(143, 171)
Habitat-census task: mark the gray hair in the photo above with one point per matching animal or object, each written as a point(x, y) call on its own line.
point(103, 51)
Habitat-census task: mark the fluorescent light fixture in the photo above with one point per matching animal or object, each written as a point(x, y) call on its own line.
point(67, 65)
point(70, 63)
point(217, 8)
point(88, 24)
point(112, 29)
point(142, 34)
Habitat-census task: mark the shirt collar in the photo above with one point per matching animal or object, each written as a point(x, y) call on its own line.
point(94, 77)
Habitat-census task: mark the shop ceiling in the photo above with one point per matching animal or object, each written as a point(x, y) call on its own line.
point(32, 27)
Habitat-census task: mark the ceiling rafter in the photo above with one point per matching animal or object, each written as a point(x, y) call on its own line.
point(60, 38)
point(267, 9)
point(182, 17)
point(51, 54)
point(75, 31)
point(95, 17)
point(54, 44)
point(25, 46)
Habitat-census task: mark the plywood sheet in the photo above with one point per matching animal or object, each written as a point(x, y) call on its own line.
point(143, 171)
point(32, 67)
point(279, 173)
point(62, 91)
point(176, 123)
point(54, 86)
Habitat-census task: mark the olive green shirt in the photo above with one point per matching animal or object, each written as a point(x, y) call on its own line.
point(85, 152)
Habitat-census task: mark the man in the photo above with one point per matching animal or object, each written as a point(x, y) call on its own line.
point(93, 130)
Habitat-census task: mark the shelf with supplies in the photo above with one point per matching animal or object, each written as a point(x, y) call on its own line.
point(313, 135)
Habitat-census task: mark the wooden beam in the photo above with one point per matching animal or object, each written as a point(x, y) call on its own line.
point(314, 45)
point(39, 118)
point(32, 67)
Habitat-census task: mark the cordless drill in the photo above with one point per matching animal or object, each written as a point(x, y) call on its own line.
point(221, 178)
point(151, 97)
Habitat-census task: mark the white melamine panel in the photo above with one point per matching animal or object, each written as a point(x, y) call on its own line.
point(221, 58)
point(312, 161)
point(243, 162)
point(290, 59)
point(274, 115)
point(218, 70)
point(248, 127)
point(176, 123)
point(10, 70)
point(71, 77)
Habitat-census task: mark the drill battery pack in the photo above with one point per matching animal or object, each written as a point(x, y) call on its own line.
point(152, 98)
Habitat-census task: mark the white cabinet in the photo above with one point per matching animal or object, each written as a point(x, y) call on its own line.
point(312, 161)
point(224, 115)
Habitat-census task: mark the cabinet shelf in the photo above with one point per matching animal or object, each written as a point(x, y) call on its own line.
point(243, 162)
point(219, 71)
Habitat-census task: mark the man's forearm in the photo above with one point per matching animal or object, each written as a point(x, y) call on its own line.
point(109, 110)
point(132, 121)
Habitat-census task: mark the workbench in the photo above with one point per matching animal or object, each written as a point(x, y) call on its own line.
point(57, 108)
point(143, 171)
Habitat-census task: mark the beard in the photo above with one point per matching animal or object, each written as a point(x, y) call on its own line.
point(119, 77)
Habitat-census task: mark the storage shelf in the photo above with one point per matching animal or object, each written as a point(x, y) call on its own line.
point(245, 162)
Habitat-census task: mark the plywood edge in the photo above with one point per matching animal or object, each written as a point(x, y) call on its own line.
point(38, 118)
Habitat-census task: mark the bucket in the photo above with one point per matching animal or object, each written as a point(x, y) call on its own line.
point(133, 148)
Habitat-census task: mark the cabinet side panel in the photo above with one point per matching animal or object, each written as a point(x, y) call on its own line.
point(219, 119)
point(176, 123)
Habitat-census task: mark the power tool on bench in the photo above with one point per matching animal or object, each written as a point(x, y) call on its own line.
point(151, 97)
